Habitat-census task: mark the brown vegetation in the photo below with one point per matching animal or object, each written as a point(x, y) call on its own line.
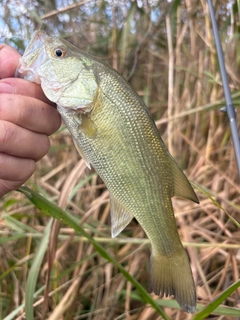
point(170, 60)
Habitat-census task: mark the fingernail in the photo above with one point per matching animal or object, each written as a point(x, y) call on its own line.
point(6, 87)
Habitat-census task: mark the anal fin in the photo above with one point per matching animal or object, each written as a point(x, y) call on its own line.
point(120, 218)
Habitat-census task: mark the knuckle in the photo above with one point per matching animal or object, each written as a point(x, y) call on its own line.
point(6, 132)
point(3, 103)
point(9, 106)
point(16, 170)
point(13, 108)
point(18, 105)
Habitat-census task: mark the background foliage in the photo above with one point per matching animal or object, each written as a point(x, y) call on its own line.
point(166, 51)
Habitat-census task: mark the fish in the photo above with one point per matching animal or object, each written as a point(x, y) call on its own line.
point(114, 133)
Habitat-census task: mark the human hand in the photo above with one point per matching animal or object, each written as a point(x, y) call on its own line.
point(27, 118)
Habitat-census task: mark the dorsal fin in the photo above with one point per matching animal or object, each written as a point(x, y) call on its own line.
point(182, 186)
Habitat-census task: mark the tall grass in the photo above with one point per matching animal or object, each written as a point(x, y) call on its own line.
point(167, 52)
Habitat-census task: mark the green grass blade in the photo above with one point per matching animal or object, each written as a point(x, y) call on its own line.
point(212, 306)
point(54, 211)
point(15, 312)
point(207, 194)
point(14, 237)
point(13, 267)
point(220, 310)
point(34, 272)
point(17, 225)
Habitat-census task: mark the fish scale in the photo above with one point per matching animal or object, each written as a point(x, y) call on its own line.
point(113, 131)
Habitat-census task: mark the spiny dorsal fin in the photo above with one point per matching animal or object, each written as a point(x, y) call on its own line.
point(182, 186)
point(120, 218)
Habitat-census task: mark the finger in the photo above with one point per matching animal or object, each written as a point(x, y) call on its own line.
point(14, 172)
point(20, 142)
point(30, 113)
point(16, 169)
point(9, 59)
point(23, 87)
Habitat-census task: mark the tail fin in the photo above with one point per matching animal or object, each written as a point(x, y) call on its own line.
point(173, 276)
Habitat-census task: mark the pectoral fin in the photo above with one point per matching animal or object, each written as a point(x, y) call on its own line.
point(120, 218)
point(79, 149)
point(88, 127)
point(182, 186)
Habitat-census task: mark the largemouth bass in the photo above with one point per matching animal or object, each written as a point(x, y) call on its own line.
point(113, 131)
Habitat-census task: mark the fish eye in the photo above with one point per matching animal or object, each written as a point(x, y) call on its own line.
point(60, 52)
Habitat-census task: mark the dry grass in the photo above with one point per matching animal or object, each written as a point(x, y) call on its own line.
point(83, 285)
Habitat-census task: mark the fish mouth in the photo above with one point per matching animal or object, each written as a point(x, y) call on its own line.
point(34, 56)
point(34, 48)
